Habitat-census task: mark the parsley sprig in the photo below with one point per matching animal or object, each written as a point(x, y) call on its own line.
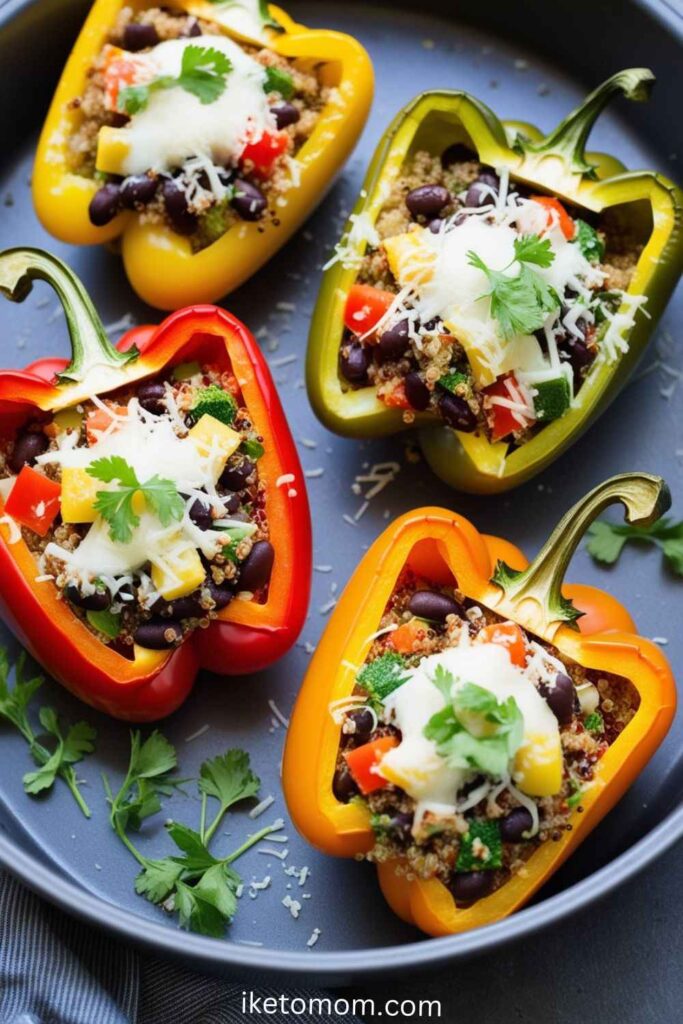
point(56, 756)
point(607, 540)
point(117, 506)
point(521, 304)
point(474, 730)
point(203, 73)
point(200, 886)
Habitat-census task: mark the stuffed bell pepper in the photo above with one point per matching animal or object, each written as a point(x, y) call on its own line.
point(467, 718)
point(495, 287)
point(153, 513)
point(201, 134)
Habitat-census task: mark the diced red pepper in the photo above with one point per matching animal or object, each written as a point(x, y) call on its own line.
point(34, 501)
point(100, 420)
point(122, 69)
point(553, 205)
point(362, 763)
point(508, 635)
point(396, 398)
point(406, 638)
point(501, 420)
point(365, 307)
point(264, 152)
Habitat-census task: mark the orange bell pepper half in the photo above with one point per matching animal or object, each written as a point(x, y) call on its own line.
point(584, 624)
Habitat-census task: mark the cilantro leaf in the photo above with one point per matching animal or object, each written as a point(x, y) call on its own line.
point(158, 878)
point(149, 769)
point(114, 468)
point(534, 249)
point(444, 682)
point(520, 303)
point(196, 855)
point(476, 730)
point(607, 540)
point(209, 905)
point(163, 498)
point(278, 80)
point(117, 506)
point(589, 241)
point(203, 73)
point(227, 778)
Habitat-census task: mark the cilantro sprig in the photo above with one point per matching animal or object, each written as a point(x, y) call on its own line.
point(475, 730)
point(203, 73)
point(521, 303)
point(56, 756)
point(607, 540)
point(193, 882)
point(117, 506)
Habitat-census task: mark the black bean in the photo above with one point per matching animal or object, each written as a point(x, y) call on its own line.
point(248, 201)
point(257, 566)
point(27, 447)
point(189, 607)
point(470, 886)
point(97, 602)
point(457, 413)
point(401, 825)
point(232, 504)
point(363, 723)
point(354, 362)
point(119, 646)
point(139, 37)
point(151, 395)
point(427, 200)
point(432, 605)
point(515, 824)
point(104, 205)
point(394, 342)
point(417, 392)
point(192, 29)
point(435, 225)
point(457, 153)
point(158, 634)
point(222, 594)
point(183, 221)
point(200, 514)
point(479, 192)
point(236, 474)
point(138, 190)
point(580, 357)
point(285, 114)
point(343, 785)
point(560, 697)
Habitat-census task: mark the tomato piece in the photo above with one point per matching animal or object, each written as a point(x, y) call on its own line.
point(100, 420)
point(362, 763)
point(122, 69)
point(406, 638)
point(553, 205)
point(34, 501)
point(265, 151)
point(396, 399)
point(365, 307)
point(509, 635)
point(501, 420)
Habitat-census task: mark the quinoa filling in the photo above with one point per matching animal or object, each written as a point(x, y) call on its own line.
point(470, 742)
point(146, 510)
point(482, 303)
point(189, 128)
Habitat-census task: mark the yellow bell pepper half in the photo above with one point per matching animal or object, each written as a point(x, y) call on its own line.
point(159, 263)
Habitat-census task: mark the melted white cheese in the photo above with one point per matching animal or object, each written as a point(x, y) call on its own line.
point(423, 773)
point(175, 125)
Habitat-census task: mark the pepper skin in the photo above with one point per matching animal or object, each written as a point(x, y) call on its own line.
point(159, 263)
point(556, 163)
point(442, 546)
point(245, 637)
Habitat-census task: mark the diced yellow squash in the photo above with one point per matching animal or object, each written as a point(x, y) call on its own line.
point(538, 765)
point(79, 491)
point(68, 419)
point(409, 258)
point(112, 150)
point(181, 576)
point(216, 439)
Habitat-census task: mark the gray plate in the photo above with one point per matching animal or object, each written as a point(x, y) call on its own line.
point(79, 864)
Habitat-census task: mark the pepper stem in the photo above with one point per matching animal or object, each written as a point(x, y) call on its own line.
point(645, 499)
point(568, 140)
point(90, 346)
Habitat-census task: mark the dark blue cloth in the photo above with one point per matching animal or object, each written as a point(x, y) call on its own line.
point(54, 970)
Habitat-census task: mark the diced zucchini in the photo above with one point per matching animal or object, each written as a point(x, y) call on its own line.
point(552, 399)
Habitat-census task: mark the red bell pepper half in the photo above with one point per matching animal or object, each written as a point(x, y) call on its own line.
point(246, 636)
